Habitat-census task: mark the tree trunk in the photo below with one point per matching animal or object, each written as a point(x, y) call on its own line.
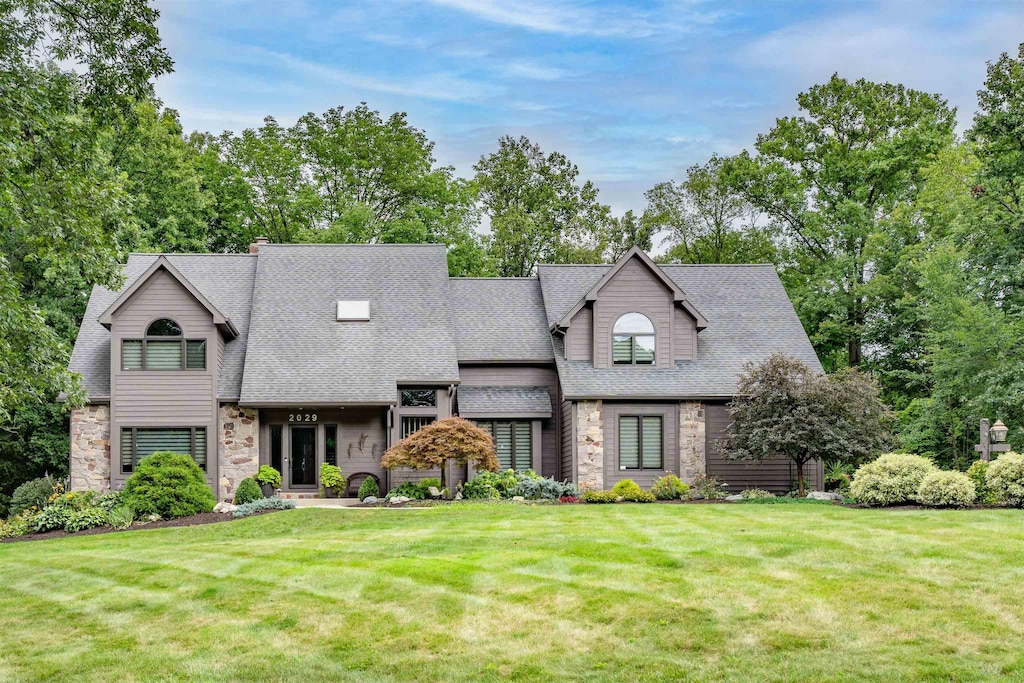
point(801, 489)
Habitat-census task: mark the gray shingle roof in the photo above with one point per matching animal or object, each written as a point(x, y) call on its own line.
point(499, 319)
point(299, 353)
point(505, 401)
point(749, 318)
point(225, 279)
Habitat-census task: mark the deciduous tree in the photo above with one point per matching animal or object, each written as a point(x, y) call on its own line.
point(783, 409)
point(538, 211)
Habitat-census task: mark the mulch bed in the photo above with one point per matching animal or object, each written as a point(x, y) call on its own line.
point(192, 520)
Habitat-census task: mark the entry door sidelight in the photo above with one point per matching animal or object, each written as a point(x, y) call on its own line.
point(302, 468)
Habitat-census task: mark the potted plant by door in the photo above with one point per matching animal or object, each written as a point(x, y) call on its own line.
point(332, 481)
point(269, 480)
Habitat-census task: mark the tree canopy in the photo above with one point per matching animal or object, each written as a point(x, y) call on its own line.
point(783, 409)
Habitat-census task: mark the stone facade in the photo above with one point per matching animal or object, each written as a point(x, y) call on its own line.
point(692, 443)
point(590, 444)
point(90, 448)
point(239, 449)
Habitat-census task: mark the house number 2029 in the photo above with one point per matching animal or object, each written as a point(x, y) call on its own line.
point(302, 417)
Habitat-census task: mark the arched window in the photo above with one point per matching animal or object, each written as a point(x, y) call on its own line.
point(164, 327)
point(163, 349)
point(633, 340)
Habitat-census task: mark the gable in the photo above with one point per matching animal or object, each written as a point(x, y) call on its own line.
point(163, 266)
point(634, 258)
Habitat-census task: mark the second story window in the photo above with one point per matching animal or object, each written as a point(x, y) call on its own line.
point(163, 348)
point(633, 340)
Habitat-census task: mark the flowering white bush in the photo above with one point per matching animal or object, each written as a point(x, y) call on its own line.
point(946, 489)
point(891, 479)
point(1005, 478)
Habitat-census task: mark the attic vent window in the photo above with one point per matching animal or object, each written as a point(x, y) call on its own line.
point(353, 310)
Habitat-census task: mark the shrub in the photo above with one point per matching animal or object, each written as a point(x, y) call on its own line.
point(946, 489)
point(891, 479)
point(272, 503)
point(751, 494)
point(491, 485)
point(332, 478)
point(85, 518)
point(111, 500)
point(629, 490)
point(268, 475)
point(670, 487)
point(32, 494)
point(53, 517)
point(121, 517)
point(1005, 478)
point(407, 489)
point(543, 488)
point(248, 491)
point(708, 486)
point(20, 524)
point(368, 488)
point(569, 499)
point(170, 485)
point(593, 496)
point(977, 472)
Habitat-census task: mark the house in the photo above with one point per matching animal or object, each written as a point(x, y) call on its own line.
point(300, 355)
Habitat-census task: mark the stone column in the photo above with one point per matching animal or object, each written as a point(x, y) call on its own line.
point(239, 450)
point(589, 445)
point(692, 443)
point(90, 448)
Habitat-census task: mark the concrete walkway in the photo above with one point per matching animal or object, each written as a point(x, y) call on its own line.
point(326, 502)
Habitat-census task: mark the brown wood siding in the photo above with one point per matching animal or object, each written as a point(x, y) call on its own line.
point(524, 376)
point(684, 335)
point(164, 398)
point(771, 475)
point(633, 289)
point(567, 441)
point(579, 342)
point(611, 412)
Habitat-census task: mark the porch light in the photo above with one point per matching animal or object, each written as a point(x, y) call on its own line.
point(999, 432)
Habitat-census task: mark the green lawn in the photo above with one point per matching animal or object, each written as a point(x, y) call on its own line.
point(627, 592)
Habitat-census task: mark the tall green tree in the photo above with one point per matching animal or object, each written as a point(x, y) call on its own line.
point(998, 142)
point(161, 175)
point(538, 211)
point(828, 179)
point(628, 231)
point(281, 202)
point(383, 171)
point(707, 219)
point(67, 69)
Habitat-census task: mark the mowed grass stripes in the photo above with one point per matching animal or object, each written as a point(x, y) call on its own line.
point(502, 592)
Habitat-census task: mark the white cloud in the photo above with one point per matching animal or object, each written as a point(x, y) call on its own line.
point(536, 72)
point(556, 17)
point(435, 86)
point(901, 44)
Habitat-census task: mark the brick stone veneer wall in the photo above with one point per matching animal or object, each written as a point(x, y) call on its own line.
point(239, 450)
point(589, 444)
point(90, 448)
point(692, 443)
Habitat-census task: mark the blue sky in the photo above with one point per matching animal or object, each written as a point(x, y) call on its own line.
point(633, 93)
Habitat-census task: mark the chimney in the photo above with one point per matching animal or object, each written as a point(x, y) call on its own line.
point(255, 247)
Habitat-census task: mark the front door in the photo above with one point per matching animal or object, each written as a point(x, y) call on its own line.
point(302, 468)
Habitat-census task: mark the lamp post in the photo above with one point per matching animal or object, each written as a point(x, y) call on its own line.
point(992, 438)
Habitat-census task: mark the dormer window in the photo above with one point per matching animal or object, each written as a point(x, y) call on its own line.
point(633, 340)
point(163, 349)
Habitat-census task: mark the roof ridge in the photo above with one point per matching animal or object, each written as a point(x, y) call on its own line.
point(531, 278)
point(178, 253)
point(354, 244)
